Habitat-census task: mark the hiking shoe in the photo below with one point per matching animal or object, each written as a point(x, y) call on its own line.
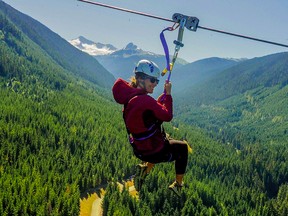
point(176, 188)
point(140, 176)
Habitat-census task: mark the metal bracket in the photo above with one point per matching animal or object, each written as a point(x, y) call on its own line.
point(191, 23)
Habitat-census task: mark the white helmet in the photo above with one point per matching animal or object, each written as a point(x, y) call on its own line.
point(147, 67)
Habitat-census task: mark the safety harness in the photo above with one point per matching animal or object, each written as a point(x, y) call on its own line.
point(140, 136)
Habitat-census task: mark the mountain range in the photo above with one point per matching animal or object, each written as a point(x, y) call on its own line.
point(120, 62)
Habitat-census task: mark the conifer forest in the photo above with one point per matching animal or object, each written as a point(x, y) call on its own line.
point(62, 136)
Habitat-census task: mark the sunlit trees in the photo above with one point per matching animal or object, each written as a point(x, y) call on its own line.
point(62, 137)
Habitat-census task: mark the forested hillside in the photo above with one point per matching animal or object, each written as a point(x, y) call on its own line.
point(266, 71)
point(196, 72)
point(59, 50)
point(62, 135)
point(55, 131)
point(245, 103)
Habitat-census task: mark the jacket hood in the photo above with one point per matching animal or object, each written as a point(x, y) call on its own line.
point(123, 91)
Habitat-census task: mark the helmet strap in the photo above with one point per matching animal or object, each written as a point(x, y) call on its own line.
point(141, 84)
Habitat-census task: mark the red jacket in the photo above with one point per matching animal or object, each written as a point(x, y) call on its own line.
point(141, 112)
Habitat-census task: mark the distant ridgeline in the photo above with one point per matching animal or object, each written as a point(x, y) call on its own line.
point(120, 62)
point(62, 135)
point(56, 48)
point(244, 103)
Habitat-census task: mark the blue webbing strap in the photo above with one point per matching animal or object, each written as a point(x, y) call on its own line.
point(167, 56)
point(165, 47)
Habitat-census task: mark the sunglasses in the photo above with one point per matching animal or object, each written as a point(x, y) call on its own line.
point(152, 79)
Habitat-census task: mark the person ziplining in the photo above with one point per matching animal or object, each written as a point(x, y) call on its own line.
point(143, 117)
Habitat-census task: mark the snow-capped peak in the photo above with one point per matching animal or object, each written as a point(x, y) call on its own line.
point(131, 49)
point(132, 46)
point(91, 47)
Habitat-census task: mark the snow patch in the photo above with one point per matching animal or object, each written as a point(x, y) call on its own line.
point(91, 47)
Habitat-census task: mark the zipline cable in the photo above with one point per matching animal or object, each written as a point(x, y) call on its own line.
point(170, 20)
point(243, 36)
point(126, 10)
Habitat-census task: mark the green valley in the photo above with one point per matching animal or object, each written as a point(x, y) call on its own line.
point(244, 104)
point(62, 135)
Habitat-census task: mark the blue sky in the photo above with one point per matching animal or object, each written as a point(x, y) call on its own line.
point(264, 19)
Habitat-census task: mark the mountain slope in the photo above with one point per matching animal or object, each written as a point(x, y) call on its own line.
point(263, 71)
point(196, 72)
point(246, 103)
point(59, 49)
point(55, 130)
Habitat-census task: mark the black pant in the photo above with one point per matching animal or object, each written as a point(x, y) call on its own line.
point(174, 150)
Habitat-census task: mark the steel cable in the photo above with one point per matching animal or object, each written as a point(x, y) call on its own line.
point(170, 20)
